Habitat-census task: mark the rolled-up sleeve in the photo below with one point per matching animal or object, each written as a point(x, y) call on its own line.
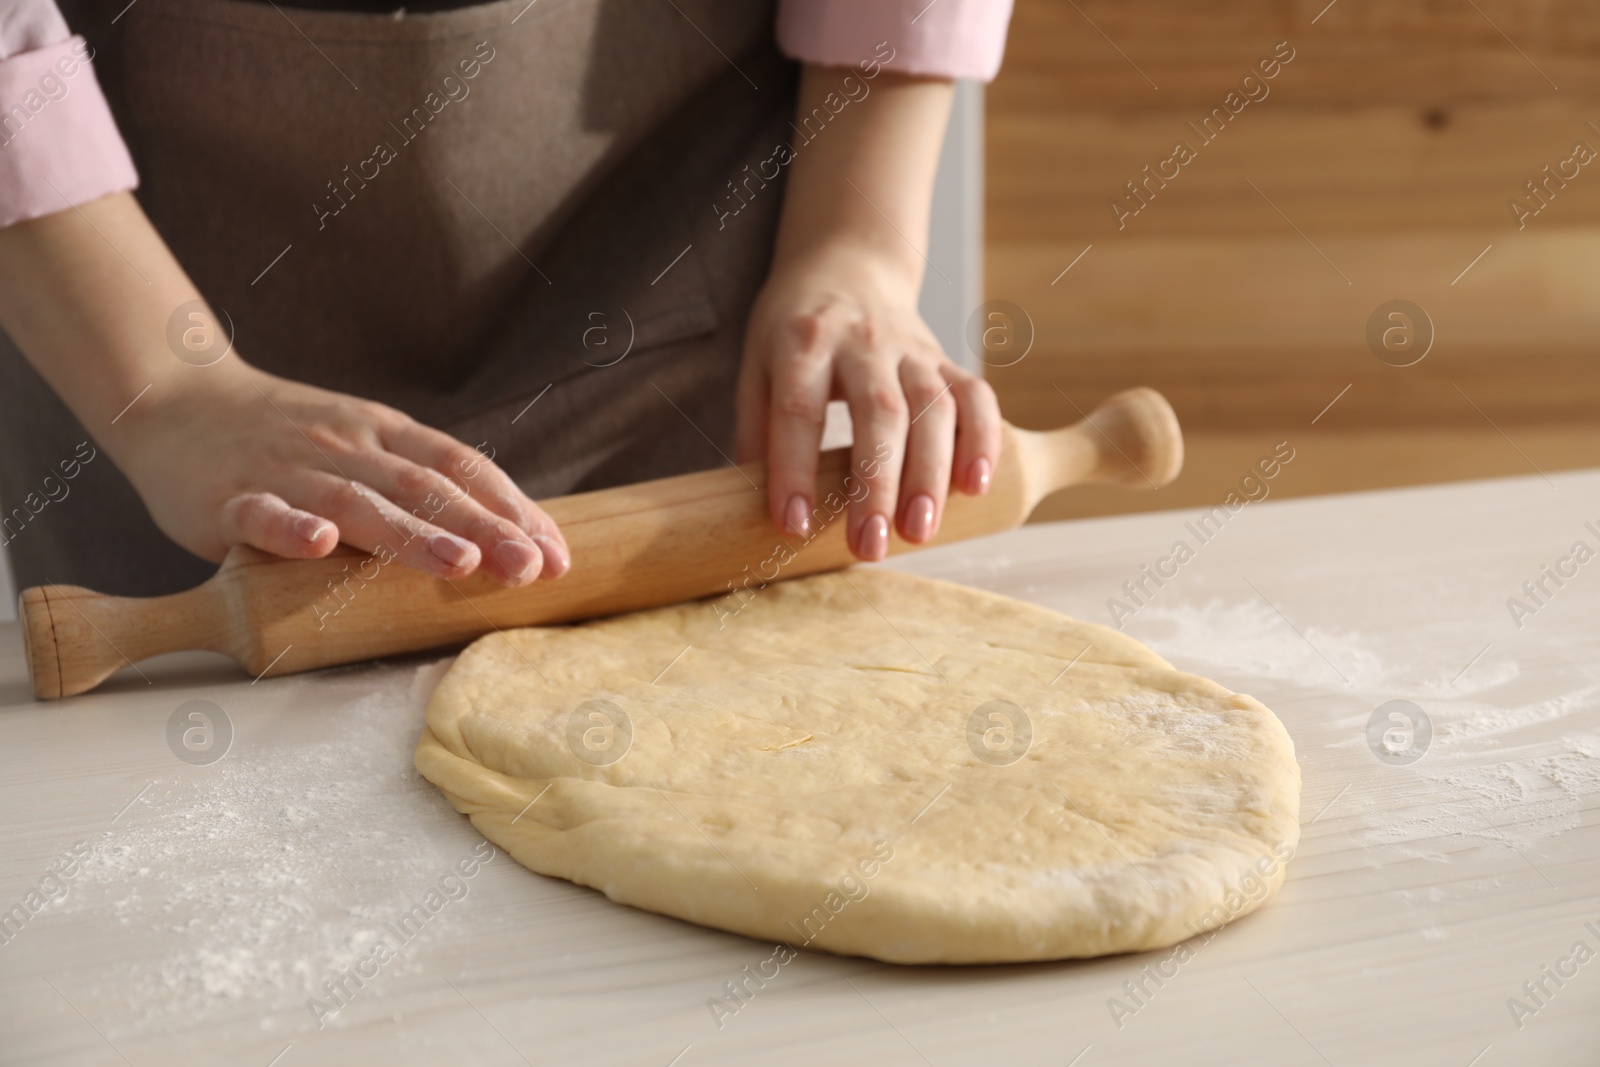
point(59, 146)
point(945, 38)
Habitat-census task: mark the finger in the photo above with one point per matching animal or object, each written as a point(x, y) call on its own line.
point(750, 407)
point(371, 522)
point(871, 387)
point(267, 522)
point(929, 443)
point(508, 552)
point(474, 470)
point(978, 422)
point(802, 372)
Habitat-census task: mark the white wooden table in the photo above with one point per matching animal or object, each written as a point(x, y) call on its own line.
point(215, 899)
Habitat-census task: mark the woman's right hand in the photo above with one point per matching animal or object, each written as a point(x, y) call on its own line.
point(236, 456)
point(225, 454)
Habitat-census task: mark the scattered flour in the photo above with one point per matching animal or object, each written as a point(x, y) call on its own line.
point(1500, 769)
point(1248, 638)
point(246, 885)
point(1512, 802)
point(1474, 720)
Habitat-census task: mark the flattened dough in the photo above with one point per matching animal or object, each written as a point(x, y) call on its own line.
point(828, 768)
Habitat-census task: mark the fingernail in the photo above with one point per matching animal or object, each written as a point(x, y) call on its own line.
point(516, 559)
point(798, 516)
point(872, 544)
point(919, 518)
point(556, 559)
point(309, 527)
point(978, 475)
point(453, 550)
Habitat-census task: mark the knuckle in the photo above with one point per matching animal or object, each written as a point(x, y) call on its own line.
point(326, 436)
point(870, 335)
point(980, 396)
point(463, 461)
point(941, 405)
point(382, 414)
point(925, 394)
point(885, 401)
point(808, 330)
point(509, 506)
point(349, 496)
point(491, 529)
point(799, 406)
point(413, 483)
point(958, 376)
point(247, 510)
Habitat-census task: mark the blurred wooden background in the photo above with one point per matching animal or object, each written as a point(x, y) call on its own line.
point(1382, 161)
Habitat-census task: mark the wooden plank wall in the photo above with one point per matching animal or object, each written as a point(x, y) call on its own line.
point(1378, 166)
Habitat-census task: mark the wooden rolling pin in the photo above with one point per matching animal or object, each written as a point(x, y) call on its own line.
point(635, 546)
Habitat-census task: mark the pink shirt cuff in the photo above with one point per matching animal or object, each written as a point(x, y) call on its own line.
point(58, 144)
point(945, 38)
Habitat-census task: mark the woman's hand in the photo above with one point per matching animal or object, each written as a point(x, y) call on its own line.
point(225, 454)
point(236, 456)
point(838, 316)
point(838, 321)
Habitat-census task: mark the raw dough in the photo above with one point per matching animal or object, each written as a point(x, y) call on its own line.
point(874, 764)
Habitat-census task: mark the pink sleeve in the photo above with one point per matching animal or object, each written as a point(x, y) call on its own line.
point(945, 38)
point(58, 144)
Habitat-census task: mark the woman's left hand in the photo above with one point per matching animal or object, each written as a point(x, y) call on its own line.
point(840, 321)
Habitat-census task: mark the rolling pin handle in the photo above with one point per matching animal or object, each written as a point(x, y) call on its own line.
point(1140, 442)
point(1132, 440)
point(44, 646)
point(74, 638)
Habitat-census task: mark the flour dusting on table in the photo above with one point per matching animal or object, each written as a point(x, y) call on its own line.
point(1499, 772)
point(269, 872)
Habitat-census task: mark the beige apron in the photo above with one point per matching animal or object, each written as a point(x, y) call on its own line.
point(470, 215)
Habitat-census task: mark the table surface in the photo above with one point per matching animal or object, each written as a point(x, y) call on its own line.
point(191, 912)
